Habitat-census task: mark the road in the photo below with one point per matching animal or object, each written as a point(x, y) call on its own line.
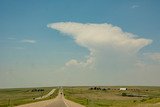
point(47, 95)
point(59, 101)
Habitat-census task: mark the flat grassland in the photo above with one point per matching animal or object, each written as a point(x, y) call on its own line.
point(111, 96)
point(18, 96)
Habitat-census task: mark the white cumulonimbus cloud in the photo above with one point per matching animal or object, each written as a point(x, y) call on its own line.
point(110, 47)
point(114, 57)
point(95, 36)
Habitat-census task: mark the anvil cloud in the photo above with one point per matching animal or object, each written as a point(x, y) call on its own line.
point(105, 42)
point(114, 54)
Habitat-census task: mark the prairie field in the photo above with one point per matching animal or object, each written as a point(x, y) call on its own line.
point(18, 96)
point(111, 96)
point(89, 96)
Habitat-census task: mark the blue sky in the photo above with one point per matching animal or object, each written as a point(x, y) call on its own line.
point(30, 50)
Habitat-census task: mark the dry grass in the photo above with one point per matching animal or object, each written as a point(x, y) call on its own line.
point(112, 98)
point(17, 96)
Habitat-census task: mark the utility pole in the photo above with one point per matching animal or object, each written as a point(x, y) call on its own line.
point(9, 102)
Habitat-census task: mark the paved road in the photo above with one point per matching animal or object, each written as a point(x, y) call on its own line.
point(59, 101)
point(47, 95)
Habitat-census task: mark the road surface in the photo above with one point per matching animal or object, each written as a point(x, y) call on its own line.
point(59, 101)
point(47, 95)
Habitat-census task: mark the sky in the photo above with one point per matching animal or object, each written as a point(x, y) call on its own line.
point(79, 43)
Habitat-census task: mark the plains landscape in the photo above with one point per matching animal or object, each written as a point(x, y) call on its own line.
point(86, 96)
point(79, 53)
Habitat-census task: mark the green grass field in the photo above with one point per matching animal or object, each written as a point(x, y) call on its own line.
point(113, 97)
point(18, 96)
point(85, 96)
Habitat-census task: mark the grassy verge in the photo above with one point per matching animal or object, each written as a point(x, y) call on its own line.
point(18, 96)
point(112, 98)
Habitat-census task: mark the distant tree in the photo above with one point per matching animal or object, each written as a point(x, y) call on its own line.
point(33, 90)
point(104, 89)
point(143, 100)
point(99, 88)
point(124, 94)
point(91, 88)
point(95, 88)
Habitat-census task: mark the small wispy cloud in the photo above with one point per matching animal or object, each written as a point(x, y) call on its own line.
point(11, 38)
point(19, 48)
point(134, 6)
point(28, 41)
